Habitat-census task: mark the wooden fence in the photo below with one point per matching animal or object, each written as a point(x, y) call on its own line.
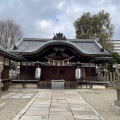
point(111, 77)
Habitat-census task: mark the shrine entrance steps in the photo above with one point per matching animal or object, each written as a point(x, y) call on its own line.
point(57, 84)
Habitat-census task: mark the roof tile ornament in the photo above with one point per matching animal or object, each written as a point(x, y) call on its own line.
point(59, 36)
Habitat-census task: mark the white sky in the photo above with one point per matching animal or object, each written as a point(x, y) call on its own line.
point(42, 18)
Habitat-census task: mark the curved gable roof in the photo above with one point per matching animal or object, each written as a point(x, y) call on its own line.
point(84, 47)
point(58, 42)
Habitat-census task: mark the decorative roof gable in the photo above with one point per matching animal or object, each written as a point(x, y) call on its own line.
point(59, 36)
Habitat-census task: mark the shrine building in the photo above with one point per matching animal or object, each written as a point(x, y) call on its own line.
point(59, 57)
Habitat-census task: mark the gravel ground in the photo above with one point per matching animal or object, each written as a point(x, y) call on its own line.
point(14, 106)
point(101, 101)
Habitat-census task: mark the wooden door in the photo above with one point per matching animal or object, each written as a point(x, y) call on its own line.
point(58, 73)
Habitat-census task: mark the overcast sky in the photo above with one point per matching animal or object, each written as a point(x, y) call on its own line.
point(42, 18)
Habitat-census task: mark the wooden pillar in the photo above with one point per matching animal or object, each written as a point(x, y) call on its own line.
point(89, 69)
point(24, 84)
point(111, 76)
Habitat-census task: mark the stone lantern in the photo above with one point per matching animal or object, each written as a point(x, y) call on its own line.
point(116, 105)
point(1, 84)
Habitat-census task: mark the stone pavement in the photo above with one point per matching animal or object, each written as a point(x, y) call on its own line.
point(16, 96)
point(58, 105)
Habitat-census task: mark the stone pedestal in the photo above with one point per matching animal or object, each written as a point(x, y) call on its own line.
point(116, 105)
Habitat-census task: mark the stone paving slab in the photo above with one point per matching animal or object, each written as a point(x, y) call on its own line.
point(57, 97)
point(26, 96)
point(57, 93)
point(60, 117)
point(60, 106)
point(16, 96)
point(42, 103)
point(59, 101)
point(72, 100)
point(60, 109)
point(7, 95)
point(86, 117)
point(77, 104)
point(37, 113)
point(29, 94)
point(39, 105)
point(75, 112)
point(68, 113)
point(81, 109)
point(34, 118)
point(13, 95)
point(38, 108)
point(42, 100)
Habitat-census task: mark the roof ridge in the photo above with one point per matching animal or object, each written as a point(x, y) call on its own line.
point(98, 44)
point(37, 39)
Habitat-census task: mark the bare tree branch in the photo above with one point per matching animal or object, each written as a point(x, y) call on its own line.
point(10, 33)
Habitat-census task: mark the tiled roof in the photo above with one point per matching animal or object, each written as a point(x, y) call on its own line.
point(90, 46)
point(28, 45)
point(8, 54)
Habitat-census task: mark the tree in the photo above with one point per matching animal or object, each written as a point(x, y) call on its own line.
point(116, 57)
point(10, 33)
point(95, 26)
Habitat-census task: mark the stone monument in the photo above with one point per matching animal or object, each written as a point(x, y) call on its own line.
point(116, 105)
point(1, 84)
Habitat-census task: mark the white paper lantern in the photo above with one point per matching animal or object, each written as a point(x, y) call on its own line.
point(38, 72)
point(78, 73)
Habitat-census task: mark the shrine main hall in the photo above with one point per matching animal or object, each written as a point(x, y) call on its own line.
point(58, 58)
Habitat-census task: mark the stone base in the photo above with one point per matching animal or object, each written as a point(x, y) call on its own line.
point(116, 109)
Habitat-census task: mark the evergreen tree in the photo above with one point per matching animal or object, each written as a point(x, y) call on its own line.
point(95, 26)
